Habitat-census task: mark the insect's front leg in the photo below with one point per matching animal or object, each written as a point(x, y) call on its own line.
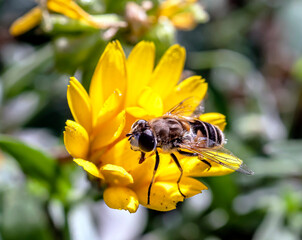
point(190, 154)
point(142, 157)
point(154, 172)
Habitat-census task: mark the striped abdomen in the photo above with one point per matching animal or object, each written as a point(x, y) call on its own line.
point(207, 134)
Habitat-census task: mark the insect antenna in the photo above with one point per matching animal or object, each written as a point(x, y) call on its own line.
point(130, 135)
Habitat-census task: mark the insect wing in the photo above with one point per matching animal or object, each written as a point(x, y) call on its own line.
point(228, 160)
point(190, 107)
point(220, 156)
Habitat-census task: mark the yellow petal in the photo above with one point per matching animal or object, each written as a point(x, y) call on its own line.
point(26, 22)
point(216, 119)
point(110, 131)
point(194, 86)
point(129, 121)
point(76, 140)
point(89, 167)
point(167, 73)
point(110, 108)
point(72, 10)
point(121, 198)
point(137, 112)
point(194, 167)
point(215, 170)
point(116, 175)
point(190, 186)
point(169, 8)
point(109, 74)
point(122, 155)
point(142, 173)
point(165, 195)
point(151, 102)
point(170, 172)
point(79, 104)
point(140, 65)
point(184, 21)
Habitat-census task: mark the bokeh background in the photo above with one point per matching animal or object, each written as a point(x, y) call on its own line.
point(250, 52)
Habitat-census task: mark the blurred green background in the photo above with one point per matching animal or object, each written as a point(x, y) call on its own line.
point(250, 53)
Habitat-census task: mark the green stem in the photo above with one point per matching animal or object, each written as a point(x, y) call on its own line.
point(56, 232)
point(66, 224)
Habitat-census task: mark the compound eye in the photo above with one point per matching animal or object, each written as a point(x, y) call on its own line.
point(134, 143)
point(146, 141)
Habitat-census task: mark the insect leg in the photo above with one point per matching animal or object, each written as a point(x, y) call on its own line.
point(190, 154)
point(181, 172)
point(206, 162)
point(142, 158)
point(154, 172)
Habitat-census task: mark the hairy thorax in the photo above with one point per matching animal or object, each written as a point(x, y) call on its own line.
point(168, 131)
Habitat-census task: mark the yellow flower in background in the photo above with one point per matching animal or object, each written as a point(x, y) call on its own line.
point(184, 14)
point(65, 7)
point(122, 91)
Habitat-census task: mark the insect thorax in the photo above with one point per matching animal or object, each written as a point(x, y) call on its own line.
point(168, 132)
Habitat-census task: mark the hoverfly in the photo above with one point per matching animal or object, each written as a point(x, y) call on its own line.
point(187, 135)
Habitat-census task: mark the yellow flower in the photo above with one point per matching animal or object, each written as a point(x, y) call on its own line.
point(122, 91)
point(184, 14)
point(66, 7)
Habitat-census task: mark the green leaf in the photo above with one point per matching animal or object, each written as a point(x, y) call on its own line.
point(23, 216)
point(297, 70)
point(33, 162)
point(74, 53)
point(24, 72)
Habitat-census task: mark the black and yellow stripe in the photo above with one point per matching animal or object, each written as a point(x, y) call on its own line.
point(212, 134)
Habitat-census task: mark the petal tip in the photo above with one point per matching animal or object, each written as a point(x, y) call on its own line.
point(121, 198)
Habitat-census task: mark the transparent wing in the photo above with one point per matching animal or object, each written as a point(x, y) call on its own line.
point(219, 155)
point(189, 107)
point(228, 160)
